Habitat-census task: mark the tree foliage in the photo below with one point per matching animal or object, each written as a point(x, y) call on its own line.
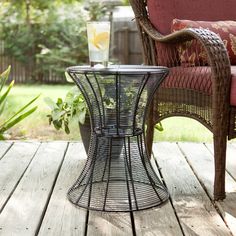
point(46, 36)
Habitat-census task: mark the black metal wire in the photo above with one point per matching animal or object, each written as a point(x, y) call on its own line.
point(96, 99)
point(118, 175)
point(141, 87)
point(131, 173)
point(108, 177)
point(118, 103)
point(83, 91)
point(102, 102)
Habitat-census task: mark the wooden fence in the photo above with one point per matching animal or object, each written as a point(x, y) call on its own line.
point(18, 71)
point(125, 49)
point(125, 43)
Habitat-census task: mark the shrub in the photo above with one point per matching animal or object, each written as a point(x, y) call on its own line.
point(7, 123)
point(62, 111)
point(54, 39)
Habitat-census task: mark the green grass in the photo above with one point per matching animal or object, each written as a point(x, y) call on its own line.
point(36, 126)
point(183, 129)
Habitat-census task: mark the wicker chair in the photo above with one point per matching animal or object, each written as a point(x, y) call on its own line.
point(201, 92)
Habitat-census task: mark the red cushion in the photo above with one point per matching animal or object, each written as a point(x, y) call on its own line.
point(162, 12)
point(225, 29)
point(233, 86)
point(197, 78)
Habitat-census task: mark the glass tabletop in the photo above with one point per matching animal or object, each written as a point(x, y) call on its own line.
point(121, 69)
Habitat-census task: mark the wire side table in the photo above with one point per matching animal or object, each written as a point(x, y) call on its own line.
point(117, 176)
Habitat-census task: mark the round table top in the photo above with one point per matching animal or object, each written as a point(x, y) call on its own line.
point(118, 69)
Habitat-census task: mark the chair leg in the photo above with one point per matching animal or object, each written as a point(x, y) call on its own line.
point(220, 144)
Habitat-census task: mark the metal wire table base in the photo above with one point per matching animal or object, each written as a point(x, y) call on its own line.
point(117, 176)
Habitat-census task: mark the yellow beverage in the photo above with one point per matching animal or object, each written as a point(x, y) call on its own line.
point(98, 41)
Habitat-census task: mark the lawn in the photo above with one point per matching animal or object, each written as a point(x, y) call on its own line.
point(36, 126)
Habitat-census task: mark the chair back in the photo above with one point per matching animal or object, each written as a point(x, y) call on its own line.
point(162, 12)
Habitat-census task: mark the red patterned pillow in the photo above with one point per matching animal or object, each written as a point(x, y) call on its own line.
point(226, 30)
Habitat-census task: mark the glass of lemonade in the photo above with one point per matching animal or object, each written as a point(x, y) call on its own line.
point(98, 42)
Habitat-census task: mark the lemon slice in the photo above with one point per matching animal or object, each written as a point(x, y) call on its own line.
point(100, 40)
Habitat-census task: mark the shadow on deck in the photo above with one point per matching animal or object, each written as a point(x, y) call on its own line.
point(34, 179)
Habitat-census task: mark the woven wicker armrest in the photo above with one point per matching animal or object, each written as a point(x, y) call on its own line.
point(199, 79)
point(217, 56)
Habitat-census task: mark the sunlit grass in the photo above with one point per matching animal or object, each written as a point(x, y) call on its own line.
point(183, 129)
point(36, 126)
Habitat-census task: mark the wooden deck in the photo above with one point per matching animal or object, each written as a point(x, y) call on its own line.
point(34, 179)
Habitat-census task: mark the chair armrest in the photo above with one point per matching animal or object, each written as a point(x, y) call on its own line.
point(217, 58)
point(210, 41)
point(217, 55)
point(216, 52)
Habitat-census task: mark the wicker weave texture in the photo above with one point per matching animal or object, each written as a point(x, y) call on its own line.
point(202, 94)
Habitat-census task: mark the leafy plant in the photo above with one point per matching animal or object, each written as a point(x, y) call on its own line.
point(96, 9)
point(17, 116)
point(73, 106)
point(126, 2)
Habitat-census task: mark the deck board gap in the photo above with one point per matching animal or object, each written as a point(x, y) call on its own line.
point(231, 175)
point(6, 150)
point(132, 223)
point(203, 186)
point(192, 203)
point(195, 173)
point(86, 223)
point(159, 171)
point(18, 181)
point(51, 190)
point(170, 198)
point(212, 152)
point(227, 171)
point(176, 215)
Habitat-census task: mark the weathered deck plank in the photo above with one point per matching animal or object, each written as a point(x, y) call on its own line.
point(69, 220)
point(23, 211)
point(106, 224)
point(37, 177)
point(230, 158)
point(4, 146)
point(202, 162)
point(194, 209)
point(12, 167)
point(159, 221)
point(103, 223)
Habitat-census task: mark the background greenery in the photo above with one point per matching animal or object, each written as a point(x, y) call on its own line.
point(36, 126)
point(7, 122)
point(47, 36)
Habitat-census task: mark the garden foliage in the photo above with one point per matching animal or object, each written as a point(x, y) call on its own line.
point(63, 111)
point(22, 113)
point(50, 36)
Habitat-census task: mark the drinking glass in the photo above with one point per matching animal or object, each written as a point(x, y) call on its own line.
point(98, 33)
